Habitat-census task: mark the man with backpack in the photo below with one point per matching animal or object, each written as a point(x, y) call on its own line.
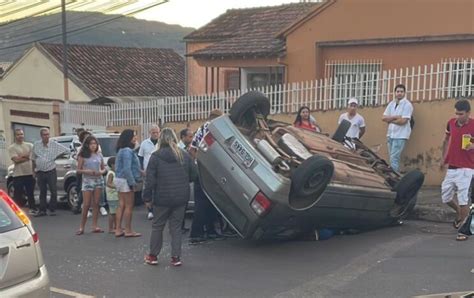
point(398, 115)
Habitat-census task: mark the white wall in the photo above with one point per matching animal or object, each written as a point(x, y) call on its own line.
point(34, 75)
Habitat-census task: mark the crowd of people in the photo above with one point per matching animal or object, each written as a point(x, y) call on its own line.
point(164, 169)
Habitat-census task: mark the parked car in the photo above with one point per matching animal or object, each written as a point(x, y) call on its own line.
point(22, 269)
point(66, 167)
point(270, 179)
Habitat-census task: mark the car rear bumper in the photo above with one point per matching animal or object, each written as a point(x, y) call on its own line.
point(38, 286)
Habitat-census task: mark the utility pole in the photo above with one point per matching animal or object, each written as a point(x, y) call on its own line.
point(65, 66)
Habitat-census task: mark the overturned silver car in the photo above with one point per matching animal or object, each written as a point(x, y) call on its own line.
point(270, 179)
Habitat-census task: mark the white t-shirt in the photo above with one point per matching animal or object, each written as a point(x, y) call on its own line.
point(357, 123)
point(146, 149)
point(403, 109)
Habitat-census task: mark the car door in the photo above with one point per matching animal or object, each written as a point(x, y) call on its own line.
point(64, 164)
point(18, 256)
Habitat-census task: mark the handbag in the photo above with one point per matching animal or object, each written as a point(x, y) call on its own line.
point(468, 226)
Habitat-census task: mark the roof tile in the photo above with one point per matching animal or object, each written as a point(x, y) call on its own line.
point(248, 32)
point(120, 71)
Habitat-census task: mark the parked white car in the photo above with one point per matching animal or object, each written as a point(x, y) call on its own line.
point(22, 270)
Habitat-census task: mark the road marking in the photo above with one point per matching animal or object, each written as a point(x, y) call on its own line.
point(70, 293)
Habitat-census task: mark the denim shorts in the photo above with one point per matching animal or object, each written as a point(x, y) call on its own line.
point(89, 184)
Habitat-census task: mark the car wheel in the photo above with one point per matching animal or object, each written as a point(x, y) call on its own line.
point(341, 131)
point(72, 196)
point(309, 180)
point(11, 191)
point(242, 111)
point(407, 190)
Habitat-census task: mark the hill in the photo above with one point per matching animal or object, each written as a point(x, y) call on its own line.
point(122, 32)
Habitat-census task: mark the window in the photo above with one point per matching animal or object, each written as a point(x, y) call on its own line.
point(358, 79)
point(460, 77)
point(257, 77)
point(232, 80)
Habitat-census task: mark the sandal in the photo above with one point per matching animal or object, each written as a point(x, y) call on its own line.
point(461, 237)
point(97, 230)
point(79, 232)
point(457, 223)
point(119, 235)
point(134, 234)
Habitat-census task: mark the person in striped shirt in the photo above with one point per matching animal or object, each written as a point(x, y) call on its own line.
point(43, 156)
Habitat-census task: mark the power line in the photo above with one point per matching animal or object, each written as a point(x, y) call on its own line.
point(51, 27)
point(86, 28)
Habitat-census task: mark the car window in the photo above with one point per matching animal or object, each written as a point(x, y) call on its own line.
point(8, 219)
point(108, 146)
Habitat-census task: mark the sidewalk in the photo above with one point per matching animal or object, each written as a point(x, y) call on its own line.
point(430, 208)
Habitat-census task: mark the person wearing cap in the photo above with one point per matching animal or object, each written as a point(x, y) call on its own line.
point(398, 115)
point(357, 129)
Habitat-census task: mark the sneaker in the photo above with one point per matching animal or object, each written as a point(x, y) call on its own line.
point(33, 211)
point(230, 234)
point(175, 261)
point(197, 240)
point(52, 213)
point(103, 211)
point(150, 215)
point(215, 236)
point(151, 260)
point(89, 213)
point(40, 213)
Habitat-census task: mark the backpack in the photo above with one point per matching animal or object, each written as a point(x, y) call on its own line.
point(412, 122)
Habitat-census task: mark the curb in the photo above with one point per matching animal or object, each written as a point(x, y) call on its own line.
point(432, 213)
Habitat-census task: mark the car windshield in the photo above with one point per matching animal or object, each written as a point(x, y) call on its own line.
point(8, 220)
point(108, 146)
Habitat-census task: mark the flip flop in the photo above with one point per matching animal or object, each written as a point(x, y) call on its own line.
point(97, 230)
point(119, 235)
point(461, 237)
point(79, 232)
point(457, 223)
point(134, 234)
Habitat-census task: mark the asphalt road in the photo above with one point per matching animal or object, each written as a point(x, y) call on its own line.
point(413, 259)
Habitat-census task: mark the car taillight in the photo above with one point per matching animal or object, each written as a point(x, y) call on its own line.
point(207, 141)
point(261, 204)
point(35, 237)
point(21, 215)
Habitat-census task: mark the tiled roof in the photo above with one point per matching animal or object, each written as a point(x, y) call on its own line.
point(248, 32)
point(118, 71)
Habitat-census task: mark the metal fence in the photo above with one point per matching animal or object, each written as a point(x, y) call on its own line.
point(452, 78)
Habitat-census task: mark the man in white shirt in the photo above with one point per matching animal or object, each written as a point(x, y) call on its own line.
point(147, 147)
point(357, 128)
point(398, 114)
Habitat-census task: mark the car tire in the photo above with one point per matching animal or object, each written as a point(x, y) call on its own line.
point(72, 196)
point(309, 180)
point(407, 189)
point(341, 131)
point(241, 112)
point(11, 190)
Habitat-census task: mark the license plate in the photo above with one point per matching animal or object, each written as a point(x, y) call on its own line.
point(242, 153)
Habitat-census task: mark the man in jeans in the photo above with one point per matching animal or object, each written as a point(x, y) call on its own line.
point(43, 155)
point(147, 147)
point(398, 114)
point(23, 180)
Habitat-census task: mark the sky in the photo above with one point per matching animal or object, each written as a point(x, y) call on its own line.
point(187, 13)
point(196, 13)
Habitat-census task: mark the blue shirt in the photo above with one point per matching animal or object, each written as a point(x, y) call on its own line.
point(127, 166)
